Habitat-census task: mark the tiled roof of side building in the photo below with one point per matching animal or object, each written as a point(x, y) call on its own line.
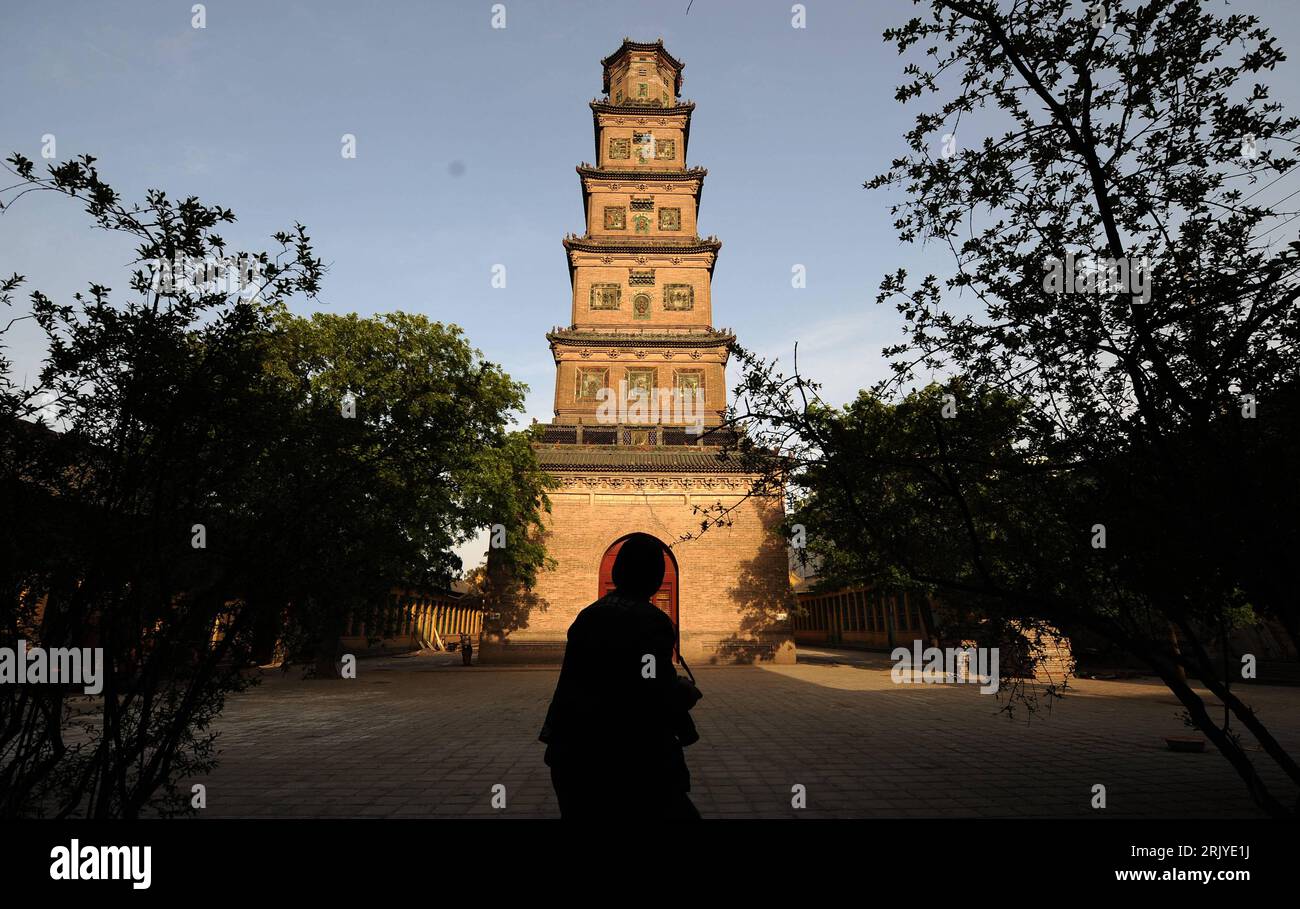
point(587, 458)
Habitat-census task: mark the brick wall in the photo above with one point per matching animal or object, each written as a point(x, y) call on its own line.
point(734, 597)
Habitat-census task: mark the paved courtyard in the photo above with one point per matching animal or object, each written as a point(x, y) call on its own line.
point(422, 736)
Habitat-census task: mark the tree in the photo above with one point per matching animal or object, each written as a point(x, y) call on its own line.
point(185, 483)
point(395, 453)
point(1121, 327)
point(149, 396)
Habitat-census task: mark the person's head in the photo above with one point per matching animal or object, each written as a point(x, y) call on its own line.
point(639, 567)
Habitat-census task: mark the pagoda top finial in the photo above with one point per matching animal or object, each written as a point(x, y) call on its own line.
point(641, 70)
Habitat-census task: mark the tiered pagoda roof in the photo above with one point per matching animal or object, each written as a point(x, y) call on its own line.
point(669, 344)
point(657, 46)
point(581, 337)
point(640, 176)
point(644, 244)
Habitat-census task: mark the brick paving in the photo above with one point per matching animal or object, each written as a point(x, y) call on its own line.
point(422, 736)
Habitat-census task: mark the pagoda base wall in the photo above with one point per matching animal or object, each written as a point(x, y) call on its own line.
point(734, 596)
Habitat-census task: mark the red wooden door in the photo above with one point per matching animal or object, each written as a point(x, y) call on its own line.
point(665, 597)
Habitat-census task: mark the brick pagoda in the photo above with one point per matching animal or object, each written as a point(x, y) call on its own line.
point(640, 391)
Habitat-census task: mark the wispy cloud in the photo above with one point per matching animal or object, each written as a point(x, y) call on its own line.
point(841, 352)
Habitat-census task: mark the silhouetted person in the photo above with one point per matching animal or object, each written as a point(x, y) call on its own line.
point(618, 720)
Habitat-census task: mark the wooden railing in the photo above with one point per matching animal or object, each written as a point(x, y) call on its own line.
point(868, 617)
point(413, 620)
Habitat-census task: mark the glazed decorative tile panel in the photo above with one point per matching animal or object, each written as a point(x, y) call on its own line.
point(640, 383)
point(606, 296)
point(679, 297)
point(590, 382)
point(689, 385)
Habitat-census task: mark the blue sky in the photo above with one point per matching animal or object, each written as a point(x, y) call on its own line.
point(467, 137)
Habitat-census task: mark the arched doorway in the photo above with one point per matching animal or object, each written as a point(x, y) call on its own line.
point(665, 597)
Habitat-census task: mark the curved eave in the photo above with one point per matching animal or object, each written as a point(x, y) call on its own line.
point(709, 245)
point(574, 338)
point(635, 176)
point(586, 173)
point(699, 245)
